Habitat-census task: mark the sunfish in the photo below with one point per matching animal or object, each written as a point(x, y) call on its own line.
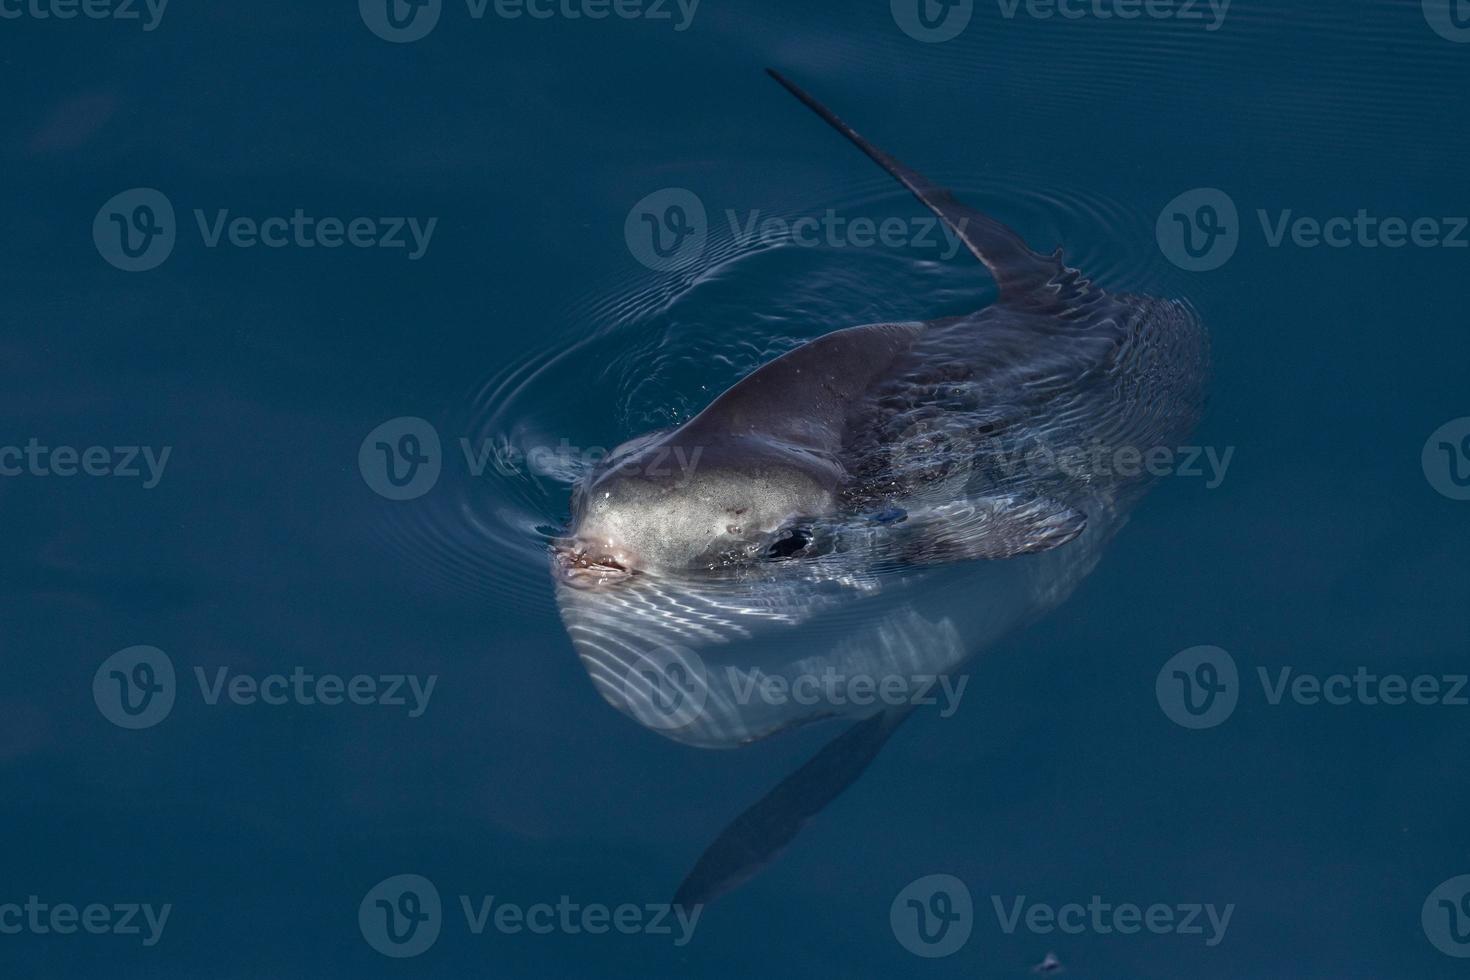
point(979, 455)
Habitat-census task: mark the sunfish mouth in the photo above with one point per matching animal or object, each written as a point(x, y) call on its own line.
point(577, 565)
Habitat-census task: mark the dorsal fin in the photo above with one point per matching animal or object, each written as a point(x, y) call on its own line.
point(1021, 274)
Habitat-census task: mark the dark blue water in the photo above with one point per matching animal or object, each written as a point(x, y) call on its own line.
point(259, 545)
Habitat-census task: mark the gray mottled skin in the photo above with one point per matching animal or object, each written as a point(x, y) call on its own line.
point(887, 446)
point(827, 428)
point(769, 450)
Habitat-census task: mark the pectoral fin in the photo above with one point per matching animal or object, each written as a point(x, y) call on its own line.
point(756, 836)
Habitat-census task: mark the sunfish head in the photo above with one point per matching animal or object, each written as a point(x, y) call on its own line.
point(665, 505)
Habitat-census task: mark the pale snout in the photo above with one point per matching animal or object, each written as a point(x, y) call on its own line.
point(585, 563)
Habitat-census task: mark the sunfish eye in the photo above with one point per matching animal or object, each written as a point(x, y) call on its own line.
point(793, 541)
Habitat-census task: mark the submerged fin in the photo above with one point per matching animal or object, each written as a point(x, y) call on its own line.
point(755, 837)
point(1022, 275)
point(990, 528)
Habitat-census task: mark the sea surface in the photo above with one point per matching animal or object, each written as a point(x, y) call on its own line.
point(312, 313)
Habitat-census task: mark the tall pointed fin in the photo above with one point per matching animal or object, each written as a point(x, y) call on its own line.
point(1020, 273)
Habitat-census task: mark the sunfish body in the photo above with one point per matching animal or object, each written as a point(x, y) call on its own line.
point(976, 454)
point(821, 430)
